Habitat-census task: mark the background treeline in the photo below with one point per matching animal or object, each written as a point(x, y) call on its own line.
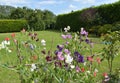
point(36, 19)
point(97, 20)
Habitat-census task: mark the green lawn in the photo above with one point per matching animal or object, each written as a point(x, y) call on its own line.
point(54, 38)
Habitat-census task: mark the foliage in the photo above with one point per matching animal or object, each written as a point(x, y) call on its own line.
point(111, 50)
point(72, 61)
point(5, 11)
point(12, 25)
point(90, 17)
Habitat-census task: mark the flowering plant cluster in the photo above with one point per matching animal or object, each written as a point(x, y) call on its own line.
point(73, 61)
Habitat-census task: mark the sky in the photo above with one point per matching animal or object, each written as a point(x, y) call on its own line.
point(56, 6)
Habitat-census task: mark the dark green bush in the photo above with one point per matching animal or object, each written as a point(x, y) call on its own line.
point(12, 25)
point(89, 17)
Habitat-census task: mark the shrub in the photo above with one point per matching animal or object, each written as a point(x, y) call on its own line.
point(12, 25)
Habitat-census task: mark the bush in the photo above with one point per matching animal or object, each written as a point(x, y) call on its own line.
point(89, 17)
point(12, 25)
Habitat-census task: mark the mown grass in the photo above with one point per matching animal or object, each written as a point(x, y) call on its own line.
point(52, 39)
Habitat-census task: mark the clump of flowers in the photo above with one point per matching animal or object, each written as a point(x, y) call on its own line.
point(73, 61)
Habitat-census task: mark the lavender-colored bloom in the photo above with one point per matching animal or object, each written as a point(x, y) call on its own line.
point(79, 57)
point(83, 32)
point(77, 69)
point(60, 47)
point(67, 43)
point(60, 56)
point(87, 40)
point(67, 51)
point(64, 36)
point(69, 36)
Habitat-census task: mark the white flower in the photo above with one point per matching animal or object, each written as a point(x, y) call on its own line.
point(33, 67)
point(72, 66)
point(68, 27)
point(84, 63)
point(9, 51)
point(43, 42)
point(65, 29)
point(69, 59)
point(3, 45)
point(7, 42)
point(88, 72)
point(96, 70)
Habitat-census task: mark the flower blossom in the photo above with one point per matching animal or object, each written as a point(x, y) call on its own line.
point(33, 67)
point(67, 29)
point(77, 69)
point(68, 59)
point(43, 42)
point(79, 57)
point(60, 56)
point(83, 32)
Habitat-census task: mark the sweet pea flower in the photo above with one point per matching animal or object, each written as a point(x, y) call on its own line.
point(69, 36)
point(60, 56)
point(79, 57)
point(7, 39)
point(13, 35)
point(98, 60)
point(48, 58)
point(83, 32)
point(72, 66)
point(67, 51)
point(43, 42)
point(68, 59)
point(33, 67)
point(77, 69)
point(95, 73)
point(63, 36)
point(82, 69)
point(67, 29)
point(89, 58)
point(60, 47)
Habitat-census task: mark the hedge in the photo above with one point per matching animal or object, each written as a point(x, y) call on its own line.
point(89, 17)
point(12, 25)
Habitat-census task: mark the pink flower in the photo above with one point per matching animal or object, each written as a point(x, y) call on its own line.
point(98, 60)
point(89, 58)
point(95, 73)
point(60, 56)
point(13, 35)
point(77, 69)
point(64, 36)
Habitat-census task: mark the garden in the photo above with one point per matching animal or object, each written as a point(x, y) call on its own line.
point(39, 47)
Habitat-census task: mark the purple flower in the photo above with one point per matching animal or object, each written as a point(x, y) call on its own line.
point(77, 69)
point(60, 47)
point(63, 36)
point(67, 43)
point(67, 51)
point(87, 40)
point(69, 36)
point(60, 56)
point(83, 32)
point(79, 57)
